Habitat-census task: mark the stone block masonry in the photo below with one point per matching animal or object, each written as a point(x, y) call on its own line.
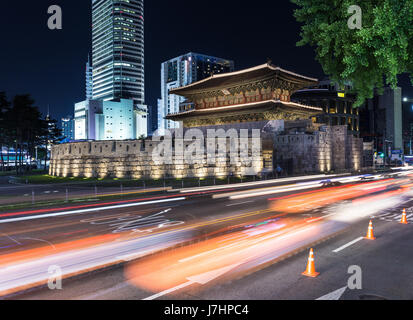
point(298, 150)
point(134, 160)
point(328, 149)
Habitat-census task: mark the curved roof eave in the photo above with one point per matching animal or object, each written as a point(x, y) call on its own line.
point(245, 71)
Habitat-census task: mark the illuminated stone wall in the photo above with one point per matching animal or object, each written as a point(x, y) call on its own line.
point(329, 149)
point(324, 149)
point(133, 159)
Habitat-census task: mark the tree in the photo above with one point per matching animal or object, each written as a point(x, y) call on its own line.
point(369, 57)
point(22, 119)
point(4, 106)
point(25, 129)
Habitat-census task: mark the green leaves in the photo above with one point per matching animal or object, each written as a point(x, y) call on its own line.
point(371, 57)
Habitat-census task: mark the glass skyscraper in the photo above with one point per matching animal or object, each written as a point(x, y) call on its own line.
point(89, 80)
point(118, 50)
point(68, 127)
point(115, 102)
point(182, 71)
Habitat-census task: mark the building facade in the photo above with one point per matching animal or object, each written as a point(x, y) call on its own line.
point(87, 126)
point(336, 102)
point(89, 80)
point(408, 125)
point(68, 127)
point(109, 120)
point(381, 121)
point(118, 50)
point(182, 71)
point(117, 74)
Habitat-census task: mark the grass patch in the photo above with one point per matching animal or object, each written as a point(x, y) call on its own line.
point(76, 200)
point(47, 179)
point(108, 182)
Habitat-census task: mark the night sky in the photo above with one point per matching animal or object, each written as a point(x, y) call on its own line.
point(50, 65)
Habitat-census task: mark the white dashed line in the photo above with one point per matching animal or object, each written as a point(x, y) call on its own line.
point(238, 204)
point(348, 244)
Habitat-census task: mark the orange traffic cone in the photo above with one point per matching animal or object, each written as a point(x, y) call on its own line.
point(370, 233)
point(404, 217)
point(310, 271)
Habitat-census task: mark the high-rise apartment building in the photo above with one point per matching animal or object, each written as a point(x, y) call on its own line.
point(182, 71)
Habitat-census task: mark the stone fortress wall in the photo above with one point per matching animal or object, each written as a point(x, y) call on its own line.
point(331, 148)
point(296, 149)
point(134, 159)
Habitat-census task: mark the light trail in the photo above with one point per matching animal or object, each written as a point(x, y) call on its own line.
point(283, 189)
point(169, 273)
point(5, 215)
point(74, 257)
point(83, 211)
point(301, 185)
point(258, 183)
point(255, 243)
point(27, 212)
point(318, 198)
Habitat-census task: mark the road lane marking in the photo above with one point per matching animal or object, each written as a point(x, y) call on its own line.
point(238, 204)
point(164, 293)
point(207, 252)
point(335, 295)
point(89, 210)
point(134, 256)
point(348, 244)
point(320, 218)
point(201, 279)
point(107, 291)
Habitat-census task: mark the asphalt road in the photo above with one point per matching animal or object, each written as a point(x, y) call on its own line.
point(35, 194)
point(111, 216)
point(238, 244)
point(385, 264)
point(28, 193)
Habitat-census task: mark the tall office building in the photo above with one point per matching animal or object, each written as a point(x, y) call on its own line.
point(182, 71)
point(118, 50)
point(68, 128)
point(89, 80)
point(381, 121)
point(115, 103)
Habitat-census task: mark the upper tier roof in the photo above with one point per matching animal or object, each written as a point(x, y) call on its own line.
point(232, 79)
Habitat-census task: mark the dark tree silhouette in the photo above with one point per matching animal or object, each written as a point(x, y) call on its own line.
point(23, 129)
point(4, 106)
